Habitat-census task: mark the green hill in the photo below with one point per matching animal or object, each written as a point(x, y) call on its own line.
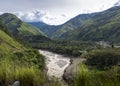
point(47, 29)
point(10, 47)
point(71, 25)
point(18, 62)
point(99, 26)
point(7, 44)
point(19, 28)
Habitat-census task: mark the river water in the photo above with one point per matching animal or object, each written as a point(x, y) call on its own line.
point(55, 63)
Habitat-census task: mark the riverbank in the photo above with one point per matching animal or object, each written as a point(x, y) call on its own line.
point(70, 71)
point(60, 66)
point(55, 63)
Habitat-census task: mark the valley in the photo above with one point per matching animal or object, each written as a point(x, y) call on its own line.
point(56, 63)
point(84, 51)
point(99, 26)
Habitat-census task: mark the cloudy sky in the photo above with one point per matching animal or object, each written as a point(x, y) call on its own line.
point(52, 11)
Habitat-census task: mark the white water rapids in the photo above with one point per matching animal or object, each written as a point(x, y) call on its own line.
point(55, 63)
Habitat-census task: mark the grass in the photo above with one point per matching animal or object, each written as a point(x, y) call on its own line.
point(30, 30)
point(19, 63)
point(8, 40)
point(82, 76)
point(23, 64)
point(86, 77)
point(11, 71)
point(17, 27)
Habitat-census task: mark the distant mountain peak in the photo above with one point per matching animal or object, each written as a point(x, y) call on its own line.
point(117, 3)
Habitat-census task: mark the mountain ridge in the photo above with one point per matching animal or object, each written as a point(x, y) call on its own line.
point(99, 27)
point(47, 29)
point(18, 27)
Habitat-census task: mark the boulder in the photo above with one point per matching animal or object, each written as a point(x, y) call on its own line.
point(16, 83)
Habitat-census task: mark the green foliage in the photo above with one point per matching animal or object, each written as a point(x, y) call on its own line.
point(4, 27)
point(47, 29)
point(9, 46)
point(86, 77)
point(82, 76)
point(73, 48)
point(95, 27)
point(103, 59)
point(36, 39)
point(20, 63)
point(17, 27)
point(11, 71)
point(70, 26)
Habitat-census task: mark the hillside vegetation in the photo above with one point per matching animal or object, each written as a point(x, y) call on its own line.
point(99, 26)
point(19, 63)
point(15, 57)
point(71, 48)
point(25, 64)
point(101, 68)
point(19, 28)
point(49, 30)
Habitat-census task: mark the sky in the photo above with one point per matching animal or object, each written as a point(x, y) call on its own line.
point(52, 12)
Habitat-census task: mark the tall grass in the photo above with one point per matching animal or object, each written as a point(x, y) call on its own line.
point(28, 76)
point(86, 77)
point(82, 76)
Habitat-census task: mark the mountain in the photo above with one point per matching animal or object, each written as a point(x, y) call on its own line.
point(95, 27)
point(19, 28)
point(47, 29)
point(72, 25)
point(8, 45)
point(17, 61)
point(56, 31)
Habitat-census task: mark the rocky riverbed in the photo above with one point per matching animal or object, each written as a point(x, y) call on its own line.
point(56, 63)
point(61, 67)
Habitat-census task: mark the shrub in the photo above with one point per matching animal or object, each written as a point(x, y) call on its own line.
point(103, 59)
point(28, 76)
point(86, 77)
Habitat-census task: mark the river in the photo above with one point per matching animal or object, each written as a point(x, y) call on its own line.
point(55, 63)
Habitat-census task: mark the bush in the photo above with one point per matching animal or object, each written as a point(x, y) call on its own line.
point(103, 59)
point(28, 76)
point(86, 77)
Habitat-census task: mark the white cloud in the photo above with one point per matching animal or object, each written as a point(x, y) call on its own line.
point(37, 15)
point(31, 16)
point(56, 20)
point(54, 11)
